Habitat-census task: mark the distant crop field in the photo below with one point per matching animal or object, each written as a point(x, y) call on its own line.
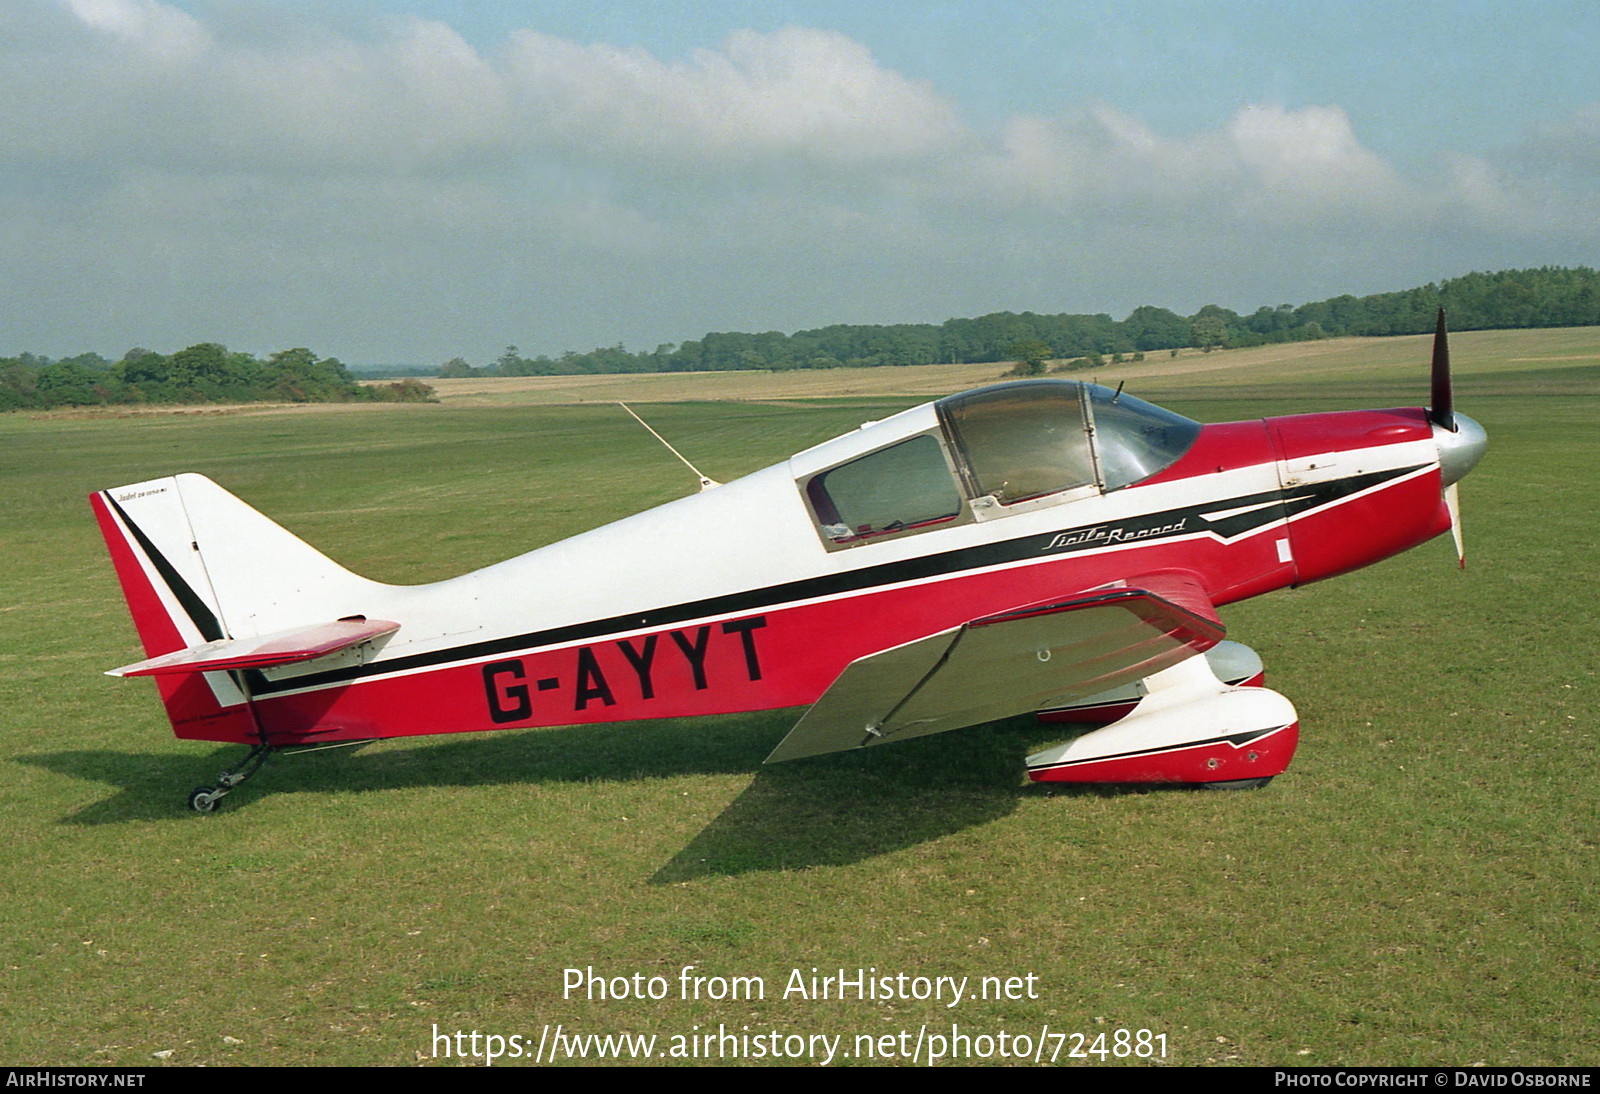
point(1419, 888)
point(1565, 359)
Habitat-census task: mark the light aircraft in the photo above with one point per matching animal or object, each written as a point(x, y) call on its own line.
point(1041, 545)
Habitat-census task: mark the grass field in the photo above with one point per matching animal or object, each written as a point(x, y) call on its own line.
point(1418, 888)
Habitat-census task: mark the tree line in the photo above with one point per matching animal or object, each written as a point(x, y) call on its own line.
point(203, 373)
point(1543, 297)
point(208, 372)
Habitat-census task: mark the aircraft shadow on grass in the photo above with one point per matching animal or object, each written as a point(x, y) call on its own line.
point(577, 754)
point(829, 811)
point(849, 807)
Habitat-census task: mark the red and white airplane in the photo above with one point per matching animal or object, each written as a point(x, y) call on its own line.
point(1042, 545)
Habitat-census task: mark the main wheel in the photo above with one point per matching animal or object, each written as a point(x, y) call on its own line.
point(204, 799)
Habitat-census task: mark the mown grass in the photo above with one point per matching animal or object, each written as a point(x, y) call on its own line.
point(1418, 888)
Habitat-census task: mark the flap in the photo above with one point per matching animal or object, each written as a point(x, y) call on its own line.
point(280, 648)
point(1009, 663)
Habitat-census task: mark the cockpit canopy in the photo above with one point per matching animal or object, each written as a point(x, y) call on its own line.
point(997, 446)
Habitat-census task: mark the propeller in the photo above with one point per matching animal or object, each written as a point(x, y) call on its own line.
point(1461, 440)
point(1440, 411)
point(1452, 502)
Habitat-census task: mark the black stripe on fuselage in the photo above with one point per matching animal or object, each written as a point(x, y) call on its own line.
point(1128, 532)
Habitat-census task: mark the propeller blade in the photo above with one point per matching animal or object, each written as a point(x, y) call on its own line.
point(1452, 502)
point(1441, 412)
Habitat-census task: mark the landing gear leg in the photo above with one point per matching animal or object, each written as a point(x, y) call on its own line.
point(204, 799)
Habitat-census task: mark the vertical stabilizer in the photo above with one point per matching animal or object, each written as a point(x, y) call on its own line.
point(198, 565)
point(263, 577)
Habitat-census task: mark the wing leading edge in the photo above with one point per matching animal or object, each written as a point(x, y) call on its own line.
point(1010, 663)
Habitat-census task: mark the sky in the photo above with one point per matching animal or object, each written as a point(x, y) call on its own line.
point(406, 182)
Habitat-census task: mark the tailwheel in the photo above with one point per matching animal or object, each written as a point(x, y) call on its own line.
point(204, 799)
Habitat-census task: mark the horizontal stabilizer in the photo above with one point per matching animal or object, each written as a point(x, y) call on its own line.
point(1009, 663)
point(280, 648)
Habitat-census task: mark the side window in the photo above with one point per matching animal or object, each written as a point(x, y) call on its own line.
point(905, 486)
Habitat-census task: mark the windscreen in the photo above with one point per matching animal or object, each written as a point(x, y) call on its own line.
point(1135, 438)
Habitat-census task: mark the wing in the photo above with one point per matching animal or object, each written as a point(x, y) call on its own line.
point(1011, 663)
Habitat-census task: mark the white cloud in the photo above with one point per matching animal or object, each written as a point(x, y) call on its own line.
point(419, 97)
point(154, 29)
point(808, 93)
point(1266, 163)
point(1307, 153)
point(1545, 189)
point(1566, 148)
point(1487, 194)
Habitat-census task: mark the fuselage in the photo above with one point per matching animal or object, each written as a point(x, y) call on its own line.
point(757, 594)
